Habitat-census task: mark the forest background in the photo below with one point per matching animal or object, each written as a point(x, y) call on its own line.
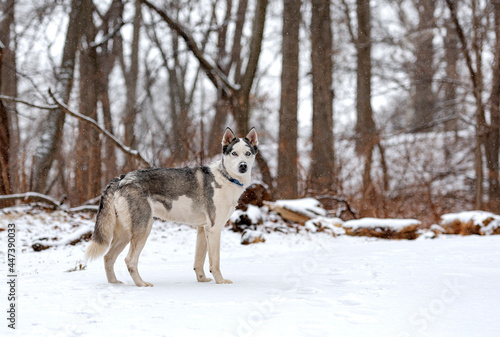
point(391, 107)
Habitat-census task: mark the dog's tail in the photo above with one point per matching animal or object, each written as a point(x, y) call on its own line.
point(105, 223)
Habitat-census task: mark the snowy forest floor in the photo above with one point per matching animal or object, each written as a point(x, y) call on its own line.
point(305, 284)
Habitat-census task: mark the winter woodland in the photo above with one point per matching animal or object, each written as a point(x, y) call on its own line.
point(378, 119)
point(391, 106)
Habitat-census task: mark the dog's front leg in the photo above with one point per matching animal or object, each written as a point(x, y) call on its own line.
point(201, 253)
point(213, 239)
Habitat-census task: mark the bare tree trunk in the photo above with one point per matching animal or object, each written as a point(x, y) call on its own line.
point(287, 152)
point(424, 101)
point(8, 86)
point(5, 182)
point(366, 132)
point(492, 146)
point(476, 79)
point(365, 125)
point(222, 110)
point(451, 51)
point(322, 170)
point(131, 76)
point(53, 127)
point(88, 147)
point(106, 62)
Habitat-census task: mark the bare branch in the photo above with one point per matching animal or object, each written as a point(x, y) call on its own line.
point(349, 23)
point(125, 149)
point(18, 100)
point(30, 196)
point(215, 75)
point(106, 38)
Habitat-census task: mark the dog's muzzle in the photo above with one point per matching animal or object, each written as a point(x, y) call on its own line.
point(243, 167)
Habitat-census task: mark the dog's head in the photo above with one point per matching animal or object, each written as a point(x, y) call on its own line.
point(239, 153)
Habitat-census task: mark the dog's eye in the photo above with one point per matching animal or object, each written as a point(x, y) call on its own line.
point(248, 154)
point(234, 153)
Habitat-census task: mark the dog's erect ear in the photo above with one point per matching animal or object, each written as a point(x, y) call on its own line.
point(228, 137)
point(252, 137)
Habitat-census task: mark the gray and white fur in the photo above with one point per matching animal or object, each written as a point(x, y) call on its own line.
point(203, 196)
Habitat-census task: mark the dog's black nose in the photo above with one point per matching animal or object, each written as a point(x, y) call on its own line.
point(243, 167)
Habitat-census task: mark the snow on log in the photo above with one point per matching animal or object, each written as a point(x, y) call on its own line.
point(299, 210)
point(328, 225)
point(383, 228)
point(30, 196)
point(472, 222)
point(82, 234)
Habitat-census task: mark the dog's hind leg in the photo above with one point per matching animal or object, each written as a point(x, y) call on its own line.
point(141, 227)
point(121, 238)
point(201, 253)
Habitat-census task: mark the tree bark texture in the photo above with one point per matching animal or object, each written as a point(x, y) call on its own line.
point(287, 148)
point(452, 51)
point(5, 181)
point(8, 86)
point(322, 169)
point(88, 148)
point(53, 127)
point(492, 143)
point(366, 132)
point(424, 98)
point(131, 76)
point(477, 86)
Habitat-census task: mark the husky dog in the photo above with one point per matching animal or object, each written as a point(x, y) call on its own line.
point(203, 196)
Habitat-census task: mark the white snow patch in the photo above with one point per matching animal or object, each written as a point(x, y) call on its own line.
point(307, 206)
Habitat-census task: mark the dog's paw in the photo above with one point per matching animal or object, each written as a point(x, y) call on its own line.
point(224, 281)
point(144, 284)
point(116, 282)
point(204, 279)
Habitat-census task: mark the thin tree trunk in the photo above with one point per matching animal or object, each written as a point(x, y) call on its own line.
point(424, 101)
point(366, 136)
point(451, 51)
point(131, 77)
point(106, 62)
point(241, 101)
point(287, 151)
point(322, 169)
point(476, 80)
point(53, 127)
point(492, 147)
point(8, 86)
point(5, 181)
point(222, 110)
point(88, 149)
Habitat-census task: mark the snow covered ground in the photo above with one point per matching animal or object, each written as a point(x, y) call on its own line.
point(292, 285)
